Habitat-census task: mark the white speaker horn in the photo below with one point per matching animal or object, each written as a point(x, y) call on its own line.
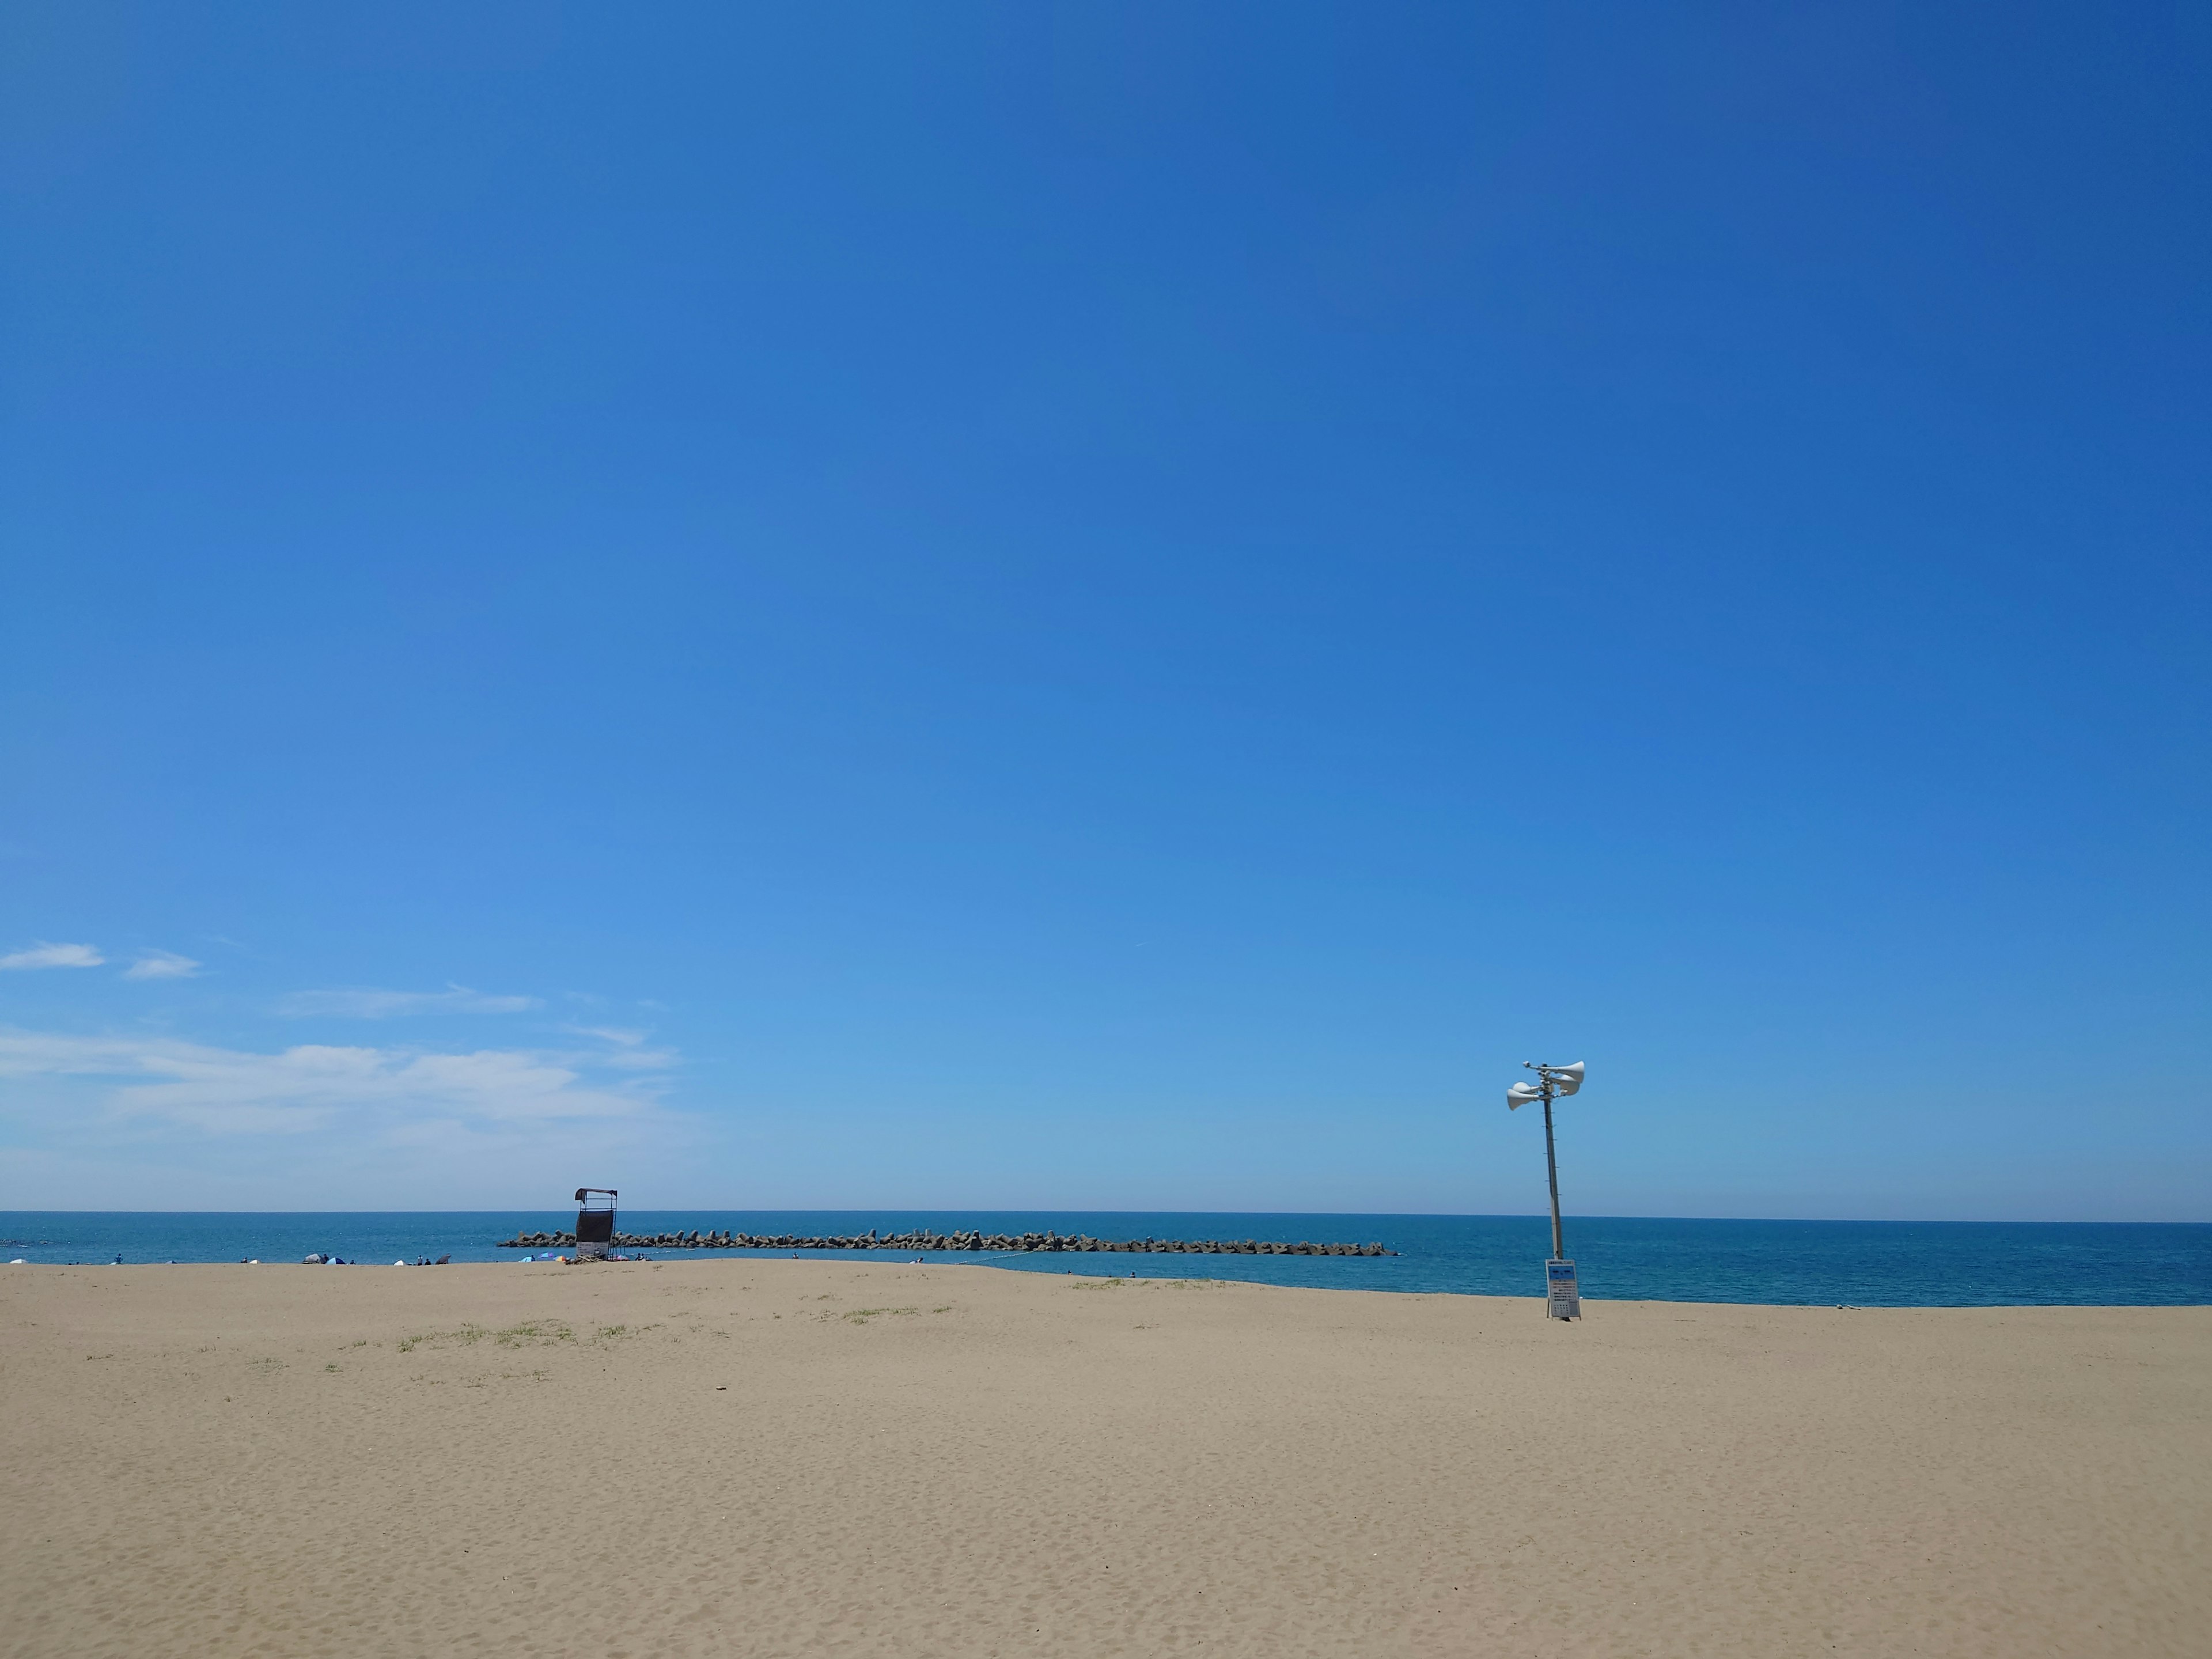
point(1520, 1095)
point(1567, 1079)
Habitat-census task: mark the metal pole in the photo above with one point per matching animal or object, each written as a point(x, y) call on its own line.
point(1551, 1167)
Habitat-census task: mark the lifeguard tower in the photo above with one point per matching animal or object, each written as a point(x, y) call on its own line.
point(595, 1223)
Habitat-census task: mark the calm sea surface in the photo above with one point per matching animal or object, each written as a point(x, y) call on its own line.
point(1867, 1263)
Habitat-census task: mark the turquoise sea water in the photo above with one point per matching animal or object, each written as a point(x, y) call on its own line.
point(1864, 1263)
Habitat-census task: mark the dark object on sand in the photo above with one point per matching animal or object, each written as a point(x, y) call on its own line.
point(595, 1221)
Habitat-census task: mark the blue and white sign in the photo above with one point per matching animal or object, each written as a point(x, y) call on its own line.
point(1563, 1298)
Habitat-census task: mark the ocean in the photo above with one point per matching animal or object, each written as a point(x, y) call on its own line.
point(1897, 1264)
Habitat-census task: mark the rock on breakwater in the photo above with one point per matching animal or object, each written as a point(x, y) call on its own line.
point(1075, 1243)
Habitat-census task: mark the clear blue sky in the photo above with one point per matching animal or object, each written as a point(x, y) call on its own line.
point(1106, 605)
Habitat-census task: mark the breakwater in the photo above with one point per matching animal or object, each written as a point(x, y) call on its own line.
point(1080, 1243)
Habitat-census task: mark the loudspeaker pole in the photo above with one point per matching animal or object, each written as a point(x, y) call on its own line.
point(1562, 1293)
point(1551, 1169)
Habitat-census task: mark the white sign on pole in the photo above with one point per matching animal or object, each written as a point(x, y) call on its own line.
point(1563, 1298)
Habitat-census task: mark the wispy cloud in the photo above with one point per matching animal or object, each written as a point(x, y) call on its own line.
point(387, 1004)
point(640, 1059)
point(162, 964)
point(394, 1091)
point(628, 1051)
point(43, 955)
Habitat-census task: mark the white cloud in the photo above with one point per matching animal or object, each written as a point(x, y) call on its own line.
point(640, 1059)
point(628, 1051)
point(384, 1005)
point(43, 955)
point(162, 964)
point(395, 1092)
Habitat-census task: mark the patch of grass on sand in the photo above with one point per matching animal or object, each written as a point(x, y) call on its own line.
point(528, 1332)
point(862, 1316)
point(533, 1331)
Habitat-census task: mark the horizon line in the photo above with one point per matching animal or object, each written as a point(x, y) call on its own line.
point(1410, 1215)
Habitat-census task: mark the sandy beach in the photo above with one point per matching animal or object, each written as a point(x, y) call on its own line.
point(768, 1457)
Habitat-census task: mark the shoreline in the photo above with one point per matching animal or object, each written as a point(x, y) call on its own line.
point(734, 1257)
point(1899, 1264)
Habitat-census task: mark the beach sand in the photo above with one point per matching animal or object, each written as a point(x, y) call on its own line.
point(764, 1458)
